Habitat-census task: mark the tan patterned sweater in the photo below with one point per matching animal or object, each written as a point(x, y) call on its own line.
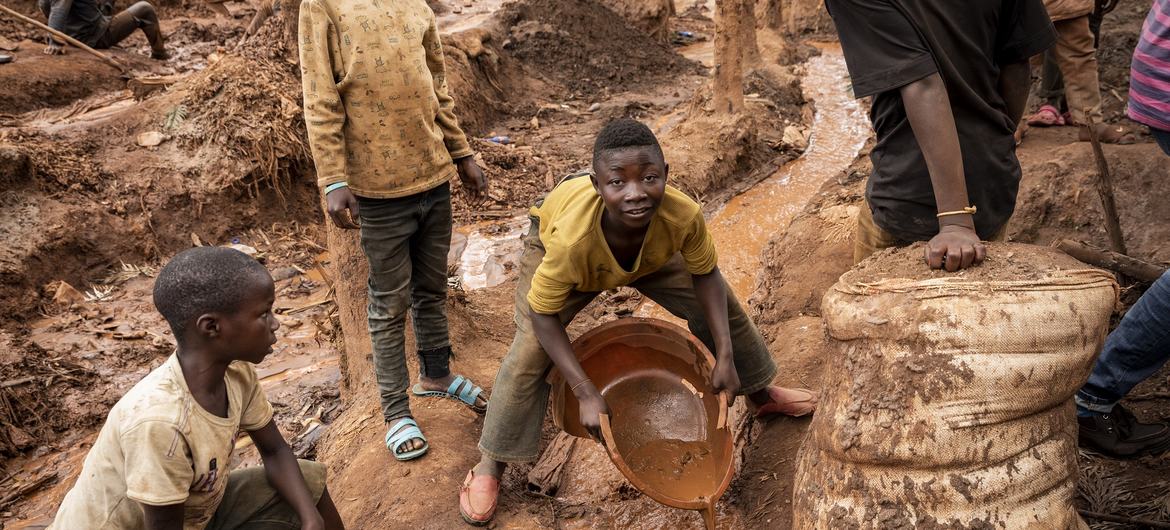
point(376, 103)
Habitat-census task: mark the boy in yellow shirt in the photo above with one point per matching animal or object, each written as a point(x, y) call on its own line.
point(621, 226)
point(161, 460)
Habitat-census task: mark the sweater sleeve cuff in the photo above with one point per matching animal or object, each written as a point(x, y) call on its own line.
point(462, 152)
point(325, 182)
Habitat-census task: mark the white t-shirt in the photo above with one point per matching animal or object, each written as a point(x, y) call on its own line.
point(160, 447)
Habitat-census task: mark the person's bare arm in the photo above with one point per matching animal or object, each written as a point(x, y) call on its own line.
point(168, 517)
point(551, 334)
point(928, 108)
point(711, 293)
point(1014, 82)
point(280, 466)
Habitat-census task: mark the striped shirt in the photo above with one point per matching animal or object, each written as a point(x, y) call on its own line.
point(1149, 75)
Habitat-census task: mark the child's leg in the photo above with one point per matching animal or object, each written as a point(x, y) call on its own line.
point(140, 15)
point(387, 227)
point(428, 283)
point(511, 429)
point(250, 502)
point(673, 289)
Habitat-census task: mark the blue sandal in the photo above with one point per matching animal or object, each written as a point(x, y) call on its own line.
point(405, 430)
point(461, 388)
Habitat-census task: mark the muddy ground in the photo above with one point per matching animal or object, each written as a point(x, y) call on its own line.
point(89, 213)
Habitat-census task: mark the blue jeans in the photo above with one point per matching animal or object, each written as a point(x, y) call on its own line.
point(1134, 351)
point(1163, 139)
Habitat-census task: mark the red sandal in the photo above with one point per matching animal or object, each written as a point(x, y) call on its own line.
point(788, 405)
point(484, 486)
point(1046, 116)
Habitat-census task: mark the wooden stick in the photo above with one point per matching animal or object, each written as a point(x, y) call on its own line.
point(109, 60)
point(18, 382)
point(26, 489)
point(1105, 189)
point(1147, 523)
point(1132, 267)
point(545, 476)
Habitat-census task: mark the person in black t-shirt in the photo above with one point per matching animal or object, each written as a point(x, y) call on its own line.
point(949, 82)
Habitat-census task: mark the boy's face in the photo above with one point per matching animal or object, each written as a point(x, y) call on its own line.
point(631, 183)
point(249, 333)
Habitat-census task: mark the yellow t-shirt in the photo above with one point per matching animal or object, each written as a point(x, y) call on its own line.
point(577, 258)
point(160, 447)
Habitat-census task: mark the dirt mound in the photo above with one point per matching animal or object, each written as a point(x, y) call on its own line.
point(230, 154)
point(251, 110)
point(515, 180)
point(1058, 197)
point(652, 17)
point(38, 81)
point(808, 257)
point(586, 46)
point(714, 156)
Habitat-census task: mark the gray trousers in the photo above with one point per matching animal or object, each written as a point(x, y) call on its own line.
point(406, 241)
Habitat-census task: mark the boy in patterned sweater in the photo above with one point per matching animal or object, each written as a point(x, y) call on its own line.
point(386, 142)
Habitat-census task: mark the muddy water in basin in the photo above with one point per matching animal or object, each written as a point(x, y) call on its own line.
point(678, 468)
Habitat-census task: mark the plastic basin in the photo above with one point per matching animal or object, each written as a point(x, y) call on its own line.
point(666, 431)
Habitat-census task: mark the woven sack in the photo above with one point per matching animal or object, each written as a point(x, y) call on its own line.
point(948, 397)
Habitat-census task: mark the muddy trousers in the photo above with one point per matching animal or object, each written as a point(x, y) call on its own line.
point(1076, 56)
point(406, 241)
point(1133, 352)
point(515, 414)
point(870, 238)
point(1051, 82)
point(140, 15)
point(251, 503)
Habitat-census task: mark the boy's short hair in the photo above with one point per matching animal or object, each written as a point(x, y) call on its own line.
point(623, 133)
point(203, 280)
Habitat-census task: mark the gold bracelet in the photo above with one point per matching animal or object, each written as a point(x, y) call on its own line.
point(578, 385)
point(968, 210)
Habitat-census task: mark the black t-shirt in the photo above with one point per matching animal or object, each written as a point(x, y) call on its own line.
point(891, 43)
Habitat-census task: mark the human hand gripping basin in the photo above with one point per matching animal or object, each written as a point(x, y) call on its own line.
point(668, 432)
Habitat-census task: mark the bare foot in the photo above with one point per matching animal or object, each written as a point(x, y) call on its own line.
point(787, 401)
point(489, 467)
point(412, 444)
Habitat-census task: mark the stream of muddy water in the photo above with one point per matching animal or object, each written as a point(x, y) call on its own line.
point(487, 253)
point(743, 226)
